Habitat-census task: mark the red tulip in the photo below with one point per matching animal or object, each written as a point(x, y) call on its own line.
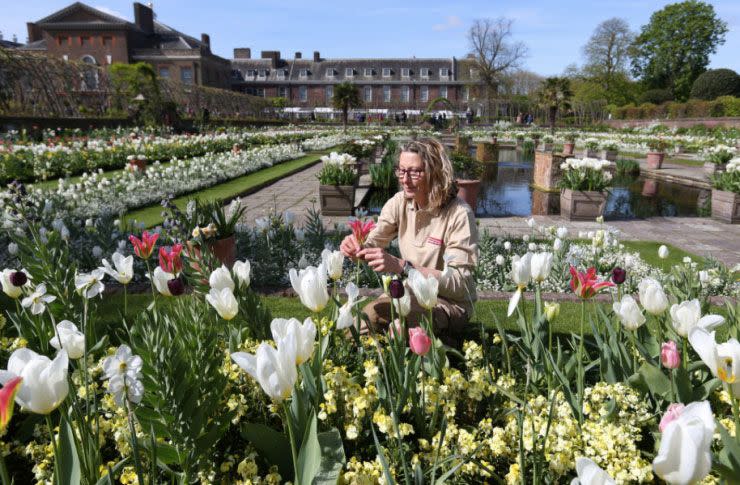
point(361, 230)
point(144, 247)
point(419, 341)
point(7, 397)
point(169, 259)
point(586, 284)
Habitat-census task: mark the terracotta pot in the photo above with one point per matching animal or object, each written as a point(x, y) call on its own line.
point(581, 205)
point(138, 165)
point(337, 200)
point(712, 168)
point(655, 160)
point(649, 188)
point(726, 206)
point(224, 250)
point(468, 191)
point(568, 148)
point(485, 152)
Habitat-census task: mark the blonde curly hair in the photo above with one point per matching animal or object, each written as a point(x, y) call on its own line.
point(438, 171)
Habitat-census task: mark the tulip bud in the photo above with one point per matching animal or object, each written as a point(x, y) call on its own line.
point(670, 357)
point(663, 252)
point(419, 341)
point(176, 286)
point(386, 279)
point(395, 289)
point(18, 278)
point(552, 310)
point(619, 275)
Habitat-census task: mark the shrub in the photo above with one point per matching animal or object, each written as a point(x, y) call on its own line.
point(656, 96)
point(716, 82)
point(730, 105)
point(627, 166)
point(465, 166)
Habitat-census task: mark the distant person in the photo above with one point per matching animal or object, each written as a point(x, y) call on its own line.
point(519, 118)
point(404, 117)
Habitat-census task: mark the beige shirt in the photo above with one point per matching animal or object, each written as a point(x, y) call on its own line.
point(425, 236)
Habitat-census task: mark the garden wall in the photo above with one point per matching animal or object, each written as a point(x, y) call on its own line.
point(678, 123)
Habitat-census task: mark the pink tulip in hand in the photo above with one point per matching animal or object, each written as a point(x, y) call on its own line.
point(419, 341)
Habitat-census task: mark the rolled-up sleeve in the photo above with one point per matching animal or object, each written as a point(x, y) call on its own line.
point(386, 229)
point(461, 253)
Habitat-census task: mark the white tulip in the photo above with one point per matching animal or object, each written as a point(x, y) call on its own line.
point(303, 335)
point(72, 340)
point(500, 260)
point(687, 315)
point(221, 278)
point(333, 262)
point(90, 285)
point(345, 318)
point(562, 232)
point(521, 272)
point(224, 302)
point(45, 383)
point(124, 268)
point(507, 246)
point(403, 304)
point(531, 222)
point(722, 359)
point(540, 266)
point(425, 288)
point(629, 313)
point(310, 285)
point(589, 473)
point(532, 247)
point(8, 287)
point(274, 369)
point(663, 252)
point(161, 278)
point(243, 272)
point(652, 296)
point(38, 300)
point(684, 456)
point(557, 244)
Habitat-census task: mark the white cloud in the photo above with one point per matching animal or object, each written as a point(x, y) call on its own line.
point(452, 22)
point(110, 11)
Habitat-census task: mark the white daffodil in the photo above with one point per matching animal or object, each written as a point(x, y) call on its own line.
point(70, 339)
point(310, 285)
point(425, 288)
point(304, 335)
point(687, 315)
point(45, 383)
point(274, 369)
point(38, 300)
point(224, 302)
point(345, 318)
point(221, 278)
point(124, 268)
point(333, 262)
point(243, 272)
point(90, 285)
point(629, 313)
point(722, 359)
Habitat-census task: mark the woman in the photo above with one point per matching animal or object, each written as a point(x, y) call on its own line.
point(432, 225)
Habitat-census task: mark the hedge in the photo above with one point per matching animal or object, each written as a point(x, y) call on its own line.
point(693, 108)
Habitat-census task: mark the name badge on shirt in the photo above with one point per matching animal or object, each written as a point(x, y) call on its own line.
point(434, 241)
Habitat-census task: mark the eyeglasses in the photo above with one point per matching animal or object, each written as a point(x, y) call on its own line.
point(415, 174)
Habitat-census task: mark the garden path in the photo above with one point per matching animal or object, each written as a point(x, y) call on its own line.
point(698, 235)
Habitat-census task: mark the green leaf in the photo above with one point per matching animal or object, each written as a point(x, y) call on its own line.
point(683, 385)
point(730, 455)
point(272, 445)
point(69, 462)
point(110, 477)
point(657, 382)
point(332, 457)
point(383, 461)
point(309, 457)
point(165, 453)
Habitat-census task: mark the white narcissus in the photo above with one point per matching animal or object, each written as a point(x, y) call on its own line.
point(38, 300)
point(310, 284)
point(629, 313)
point(160, 279)
point(72, 340)
point(521, 272)
point(425, 288)
point(722, 359)
point(45, 383)
point(303, 334)
point(345, 318)
point(274, 369)
point(224, 302)
point(540, 266)
point(220, 279)
point(652, 296)
point(243, 272)
point(685, 456)
point(90, 285)
point(123, 371)
point(589, 473)
point(687, 315)
point(333, 262)
point(124, 268)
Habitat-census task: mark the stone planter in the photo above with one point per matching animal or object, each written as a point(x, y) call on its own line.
point(462, 143)
point(711, 168)
point(726, 206)
point(610, 155)
point(485, 152)
point(547, 172)
point(590, 153)
point(546, 147)
point(519, 143)
point(568, 148)
point(468, 191)
point(655, 160)
point(579, 205)
point(137, 165)
point(337, 200)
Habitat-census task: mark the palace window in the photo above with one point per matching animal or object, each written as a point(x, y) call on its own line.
point(303, 93)
point(444, 73)
point(349, 72)
point(368, 72)
point(424, 72)
point(387, 94)
point(329, 92)
point(443, 91)
point(368, 94)
point(405, 72)
point(405, 94)
point(186, 75)
point(386, 72)
point(424, 93)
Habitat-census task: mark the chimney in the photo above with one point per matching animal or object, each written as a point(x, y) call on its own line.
point(144, 18)
point(298, 55)
point(34, 32)
point(273, 55)
point(242, 53)
point(316, 56)
point(205, 39)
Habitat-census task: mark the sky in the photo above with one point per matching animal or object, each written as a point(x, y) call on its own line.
point(554, 32)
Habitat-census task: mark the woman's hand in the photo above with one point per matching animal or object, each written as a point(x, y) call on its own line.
point(350, 247)
point(380, 261)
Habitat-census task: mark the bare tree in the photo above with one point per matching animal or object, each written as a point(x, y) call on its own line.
point(495, 52)
point(520, 82)
point(607, 51)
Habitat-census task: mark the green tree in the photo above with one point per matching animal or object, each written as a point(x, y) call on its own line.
point(607, 56)
point(136, 90)
point(673, 49)
point(554, 95)
point(346, 96)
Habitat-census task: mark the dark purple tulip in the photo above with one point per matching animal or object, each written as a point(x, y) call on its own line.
point(395, 288)
point(619, 275)
point(176, 286)
point(18, 278)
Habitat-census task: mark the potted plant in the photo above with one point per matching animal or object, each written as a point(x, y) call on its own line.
point(570, 143)
point(467, 173)
point(592, 145)
point(519, 140)
point(136, 163)
point(547, 143)
point(726, 193)
point(494, 137)
point(656, 154)
point(716, 159)
point(583, 185)
point(536, 137)
point(610, 150)
point(337, 189)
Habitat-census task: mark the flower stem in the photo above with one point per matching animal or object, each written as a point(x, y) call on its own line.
point(54, 445)
point(293, 449)
point(134, 440)
point(4, 470)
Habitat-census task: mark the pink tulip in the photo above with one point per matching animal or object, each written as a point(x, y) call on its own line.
point(395, 329)
point(673, 413)
point(144, 247)
point(419, 341)
point(670, 357)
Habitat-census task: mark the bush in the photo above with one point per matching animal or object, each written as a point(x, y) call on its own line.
point(715, 83)
point(730, 105)
point(656, 96)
